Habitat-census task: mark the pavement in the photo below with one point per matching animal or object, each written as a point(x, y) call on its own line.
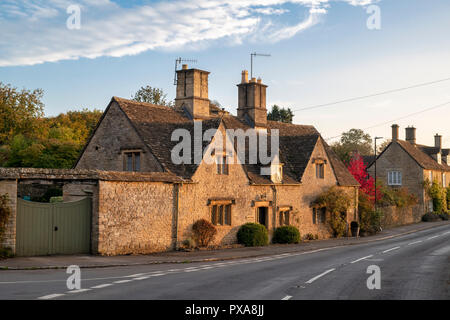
point(402, 263)
point(179, 257)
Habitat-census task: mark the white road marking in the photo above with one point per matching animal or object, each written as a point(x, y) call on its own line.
point(79, 290)
point(320, 276)
point(159, 274)
point(135, 275)
point(419, 241)
point(391, 249)
point(446, 232)
point(100, 286)
point(142, 278)
point(363, 258)
point(51, 296)
point(123, 281)
point(287, 298)
point(432, 237)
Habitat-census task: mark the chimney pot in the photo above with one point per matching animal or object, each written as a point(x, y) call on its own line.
point(395, 132)
point(244, 76)
point(185, 66)
point(438, 141)
point(410, 135)
point(259, 80)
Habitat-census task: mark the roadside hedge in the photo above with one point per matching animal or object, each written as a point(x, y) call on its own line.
point(253, 235)
point(286, 234)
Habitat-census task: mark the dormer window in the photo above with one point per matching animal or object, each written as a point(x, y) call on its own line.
point(276, 173)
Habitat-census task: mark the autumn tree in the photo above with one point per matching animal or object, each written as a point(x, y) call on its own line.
point(20, 111)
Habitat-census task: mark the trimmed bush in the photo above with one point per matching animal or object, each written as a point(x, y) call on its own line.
point(430, 217)
point(444, 216)
point(286, 234)
point(204, 232)
point(253, 235)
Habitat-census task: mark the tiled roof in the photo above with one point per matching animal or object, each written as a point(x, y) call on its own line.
point(422, 155)
point(155, 125)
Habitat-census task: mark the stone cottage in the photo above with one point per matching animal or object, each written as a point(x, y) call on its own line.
point(142, 137)
point(405, 163)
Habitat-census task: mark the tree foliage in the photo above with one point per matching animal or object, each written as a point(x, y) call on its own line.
point(152, 95)
point(280, 114)
point(20, 112)
point(28, 139)
point(351, 142)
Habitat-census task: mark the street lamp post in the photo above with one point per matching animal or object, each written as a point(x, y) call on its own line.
point(376, 138)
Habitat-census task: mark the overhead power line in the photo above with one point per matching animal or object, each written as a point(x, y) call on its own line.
point(370, 95)
point(400, 118)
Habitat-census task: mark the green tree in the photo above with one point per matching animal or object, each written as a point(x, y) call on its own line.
point(352, 141)
point(152, 95)
point(280, 114)
point(20, 111)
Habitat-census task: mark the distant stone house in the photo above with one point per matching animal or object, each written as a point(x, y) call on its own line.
point(404, 163)
point(134, 136)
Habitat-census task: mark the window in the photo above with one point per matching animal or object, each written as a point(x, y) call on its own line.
point(320, 170)
point(319, 215)
point(394, 178)
point(431, 176)
point(444, 180)
point(284, 218)
point(323, 215)
point(221, 214)
point(222, 165)
point(132, 161)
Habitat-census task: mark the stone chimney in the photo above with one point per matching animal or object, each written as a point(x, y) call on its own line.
point(410, 135)
point(192, 92)
point(395, 132)
point(438, 141)
point(252, 101)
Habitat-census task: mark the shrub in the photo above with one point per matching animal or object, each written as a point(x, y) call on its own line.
point(286, 234)
point(204, 232)
point(311, 236)
point(253, 235)
point(338, 225)
point(370, 221)
point(430, 217)
point(6, 253)
point(438, 194)
point(189, 243)
point(444, 216)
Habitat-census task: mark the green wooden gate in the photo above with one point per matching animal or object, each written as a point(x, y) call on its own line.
point(53, 228)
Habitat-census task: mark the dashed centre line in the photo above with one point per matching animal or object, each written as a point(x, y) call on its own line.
point(432, 237)
point(100, 286)
point(415, 242)
point(287, 298)
point(320, 276)
point(391, 249)
point(51, 296)
point(363, 258)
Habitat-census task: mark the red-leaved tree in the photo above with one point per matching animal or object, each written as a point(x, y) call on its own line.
point(357, 168)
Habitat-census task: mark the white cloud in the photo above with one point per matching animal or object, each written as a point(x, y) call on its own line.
point(34, 31)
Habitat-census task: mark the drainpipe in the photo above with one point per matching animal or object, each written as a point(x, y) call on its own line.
point(274, 206)
point(176, 200)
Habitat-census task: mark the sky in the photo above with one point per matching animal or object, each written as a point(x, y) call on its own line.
point(322, 51)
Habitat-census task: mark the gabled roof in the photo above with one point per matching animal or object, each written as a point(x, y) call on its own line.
point(155, 124)
point(421, 154)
